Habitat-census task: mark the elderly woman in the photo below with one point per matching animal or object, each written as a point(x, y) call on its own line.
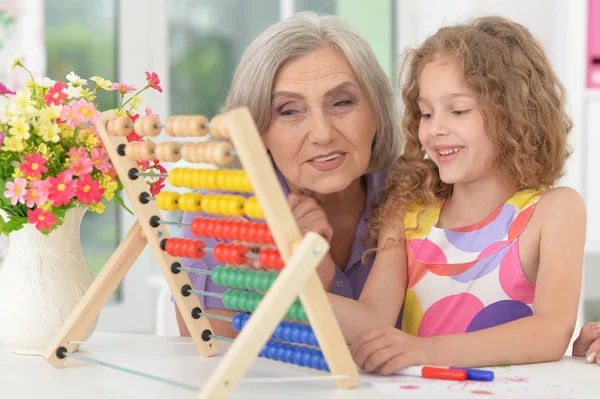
point(327, 116)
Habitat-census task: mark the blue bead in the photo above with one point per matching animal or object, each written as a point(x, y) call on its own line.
point(298, 356)
point(286, 332)
point(237, 321)
point(278, 333)
point(303, 336)
point(288, 355)
point(272, 351)
point(295, 335)
point(323, 364)
point(264, 352)
point(312, 339)
point(306, 357)
point(315, 360)
point(281, 352)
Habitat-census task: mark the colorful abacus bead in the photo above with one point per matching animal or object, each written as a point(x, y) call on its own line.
point(230, 253)
point(167, 201)
point(252, 209)
point(288, 353)
point(185, 247)
point(271, 259)
point(285, 331)
point(190, 202)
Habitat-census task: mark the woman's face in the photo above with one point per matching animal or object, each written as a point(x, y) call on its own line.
point(322, 124)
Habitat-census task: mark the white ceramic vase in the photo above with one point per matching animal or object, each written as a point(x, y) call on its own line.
point(42, 279)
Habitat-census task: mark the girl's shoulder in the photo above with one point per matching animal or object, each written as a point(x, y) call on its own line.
point(560, 201)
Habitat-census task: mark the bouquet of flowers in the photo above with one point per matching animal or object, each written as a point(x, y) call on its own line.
point(52, 158)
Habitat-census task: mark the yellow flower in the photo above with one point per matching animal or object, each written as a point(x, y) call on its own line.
point(134, 102)
point(22, 104)
point(13, 144)
point(102, 83)
point(49, 132)
point(98, 208)
point(67, 132)
point(91, 142)
point(20, 128)
point(46, 205)
point(15, 63)
point(18, 173)
point(51, 112)
point(43, 150)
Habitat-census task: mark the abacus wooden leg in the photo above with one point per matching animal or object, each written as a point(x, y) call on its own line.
point(329, 335)
point(246, 347)
point(88, 308)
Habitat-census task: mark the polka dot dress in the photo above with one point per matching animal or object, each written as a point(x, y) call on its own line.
point(470, 278)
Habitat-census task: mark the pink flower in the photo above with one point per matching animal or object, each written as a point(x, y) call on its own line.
point(100, 160)
point(5, 90)
point(122, 88)
point(84, 111)
point(68, 117)
point(16, 190)
point(56, 94)
point(1, 137)
point(61, 189)
point(36, 194)
point(82, 166)
point(42, 219)
point(153, 81)
point(77, 153)
point(34, 165)
point(88, 190)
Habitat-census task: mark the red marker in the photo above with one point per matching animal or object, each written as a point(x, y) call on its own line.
point(438, 373)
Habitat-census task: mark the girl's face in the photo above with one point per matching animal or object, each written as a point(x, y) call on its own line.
point(451, 129)
point(322, 125)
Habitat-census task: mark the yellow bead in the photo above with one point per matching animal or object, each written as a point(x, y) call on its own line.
point(195, 179)
point(160, 200)
point(222, 180)
point(252, 208)
point(208, 203)
point(211, 179)
point(175, 177)
point(191, 202)
point(246, 185)
point(235, 207)
point(168, 201)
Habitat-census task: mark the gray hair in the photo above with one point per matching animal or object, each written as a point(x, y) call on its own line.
point(299, 35)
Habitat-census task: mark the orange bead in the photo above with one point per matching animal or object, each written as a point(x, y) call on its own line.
point(146, 151)
point(188, 152)
point(218, 128)
point(150, 125)
point(123, 126)
point(169, 126)
point(168, 151)
point(221, 153)
point(110, 126)
point(197, 126)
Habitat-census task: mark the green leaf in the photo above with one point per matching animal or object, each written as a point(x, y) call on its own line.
point(119, 201)
point(14, 223)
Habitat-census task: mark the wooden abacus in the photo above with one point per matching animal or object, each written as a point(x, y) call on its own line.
point(294, 256)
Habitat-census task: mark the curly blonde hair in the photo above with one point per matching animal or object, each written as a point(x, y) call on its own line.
point(520, 97)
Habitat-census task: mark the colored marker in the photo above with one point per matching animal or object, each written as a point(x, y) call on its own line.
point(476, 374)
point(439, 373)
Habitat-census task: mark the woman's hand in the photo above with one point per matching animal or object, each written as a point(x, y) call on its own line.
point(310, 216)
point(588, 343)
point(386, 350)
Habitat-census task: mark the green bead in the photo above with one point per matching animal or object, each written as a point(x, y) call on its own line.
point(301, 313)
point(216, 275)
point(235, 300)
point(226, 298)
point(265, 283)
point(248, 279)
point(229, 278)
point(254, 283)
point(256, 301)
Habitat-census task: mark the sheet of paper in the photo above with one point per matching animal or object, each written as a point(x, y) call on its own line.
point(509, 383)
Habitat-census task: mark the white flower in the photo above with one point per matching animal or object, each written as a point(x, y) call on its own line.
point(73, 92)
point(16, 62)
point(44, 82)
point(75, 80)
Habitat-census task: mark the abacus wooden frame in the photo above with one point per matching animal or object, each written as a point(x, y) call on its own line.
point(298, 278)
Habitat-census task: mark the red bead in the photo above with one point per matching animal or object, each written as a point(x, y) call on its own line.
point(263, 258)
point(234, 231)
point(259, 233)
point(198, 246)
point(218, 252)
point(218, 229)
point(251, 235)
point(226, 230)
point(189, 249)
point(243, 232)
point(237, 254)
point(268, 236)
point(274, 260)
point(210, 228)
point(169, 246)
point(198, 227)
point(278, 261)
point(176, 246)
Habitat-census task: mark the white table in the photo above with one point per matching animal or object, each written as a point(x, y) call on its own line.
point(176, 358)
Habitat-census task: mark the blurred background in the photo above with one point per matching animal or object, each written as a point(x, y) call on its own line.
point(194, 46)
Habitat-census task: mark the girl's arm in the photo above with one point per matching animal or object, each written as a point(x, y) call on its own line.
point(383, 294)
point(542, 337)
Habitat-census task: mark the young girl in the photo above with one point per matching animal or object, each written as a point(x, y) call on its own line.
point(475, 244)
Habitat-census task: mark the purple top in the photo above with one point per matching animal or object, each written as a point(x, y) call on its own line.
point(348, 283)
